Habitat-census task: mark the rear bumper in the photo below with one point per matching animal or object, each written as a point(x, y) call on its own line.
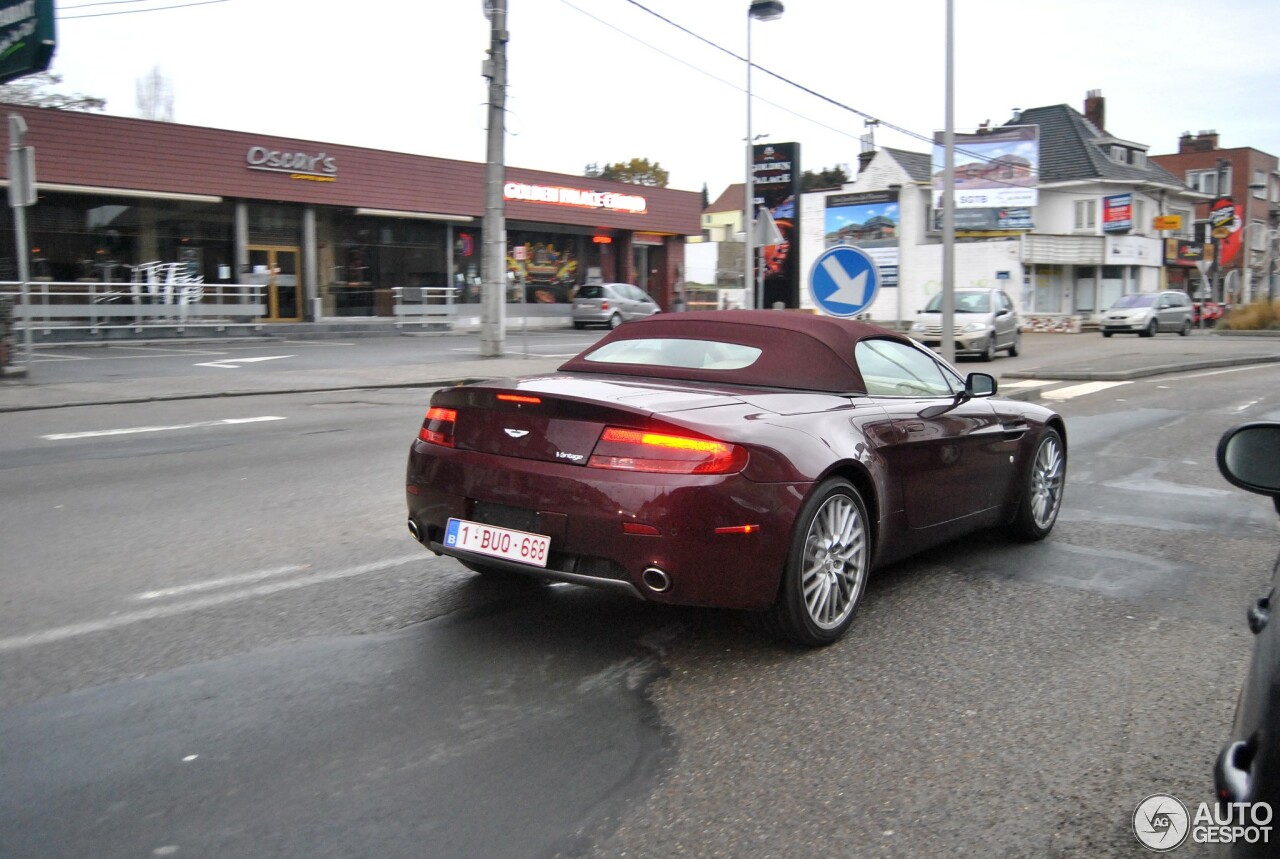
point(584, 511)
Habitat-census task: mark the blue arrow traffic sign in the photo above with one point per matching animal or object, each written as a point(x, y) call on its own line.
point(844, 281)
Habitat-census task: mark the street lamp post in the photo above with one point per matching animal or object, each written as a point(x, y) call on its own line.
point(764, 10)
point(1268, 252)
point(1268, 255)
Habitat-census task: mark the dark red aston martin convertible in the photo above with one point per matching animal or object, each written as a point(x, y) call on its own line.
point(760, 460)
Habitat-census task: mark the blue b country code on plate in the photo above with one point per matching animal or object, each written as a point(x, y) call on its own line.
point(519, 546)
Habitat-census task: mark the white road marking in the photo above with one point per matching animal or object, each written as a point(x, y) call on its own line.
point(1247, 405)
point(63, 436)
point(214, 584)
point(1270, 366)
point(1080, 390)
point(75, 630)
point(1026, 383)
point(236, 363)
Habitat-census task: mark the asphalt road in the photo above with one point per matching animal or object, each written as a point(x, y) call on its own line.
point(218, 640)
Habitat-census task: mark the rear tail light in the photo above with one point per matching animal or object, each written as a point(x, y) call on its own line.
point(640, 450)
point(438, 426)
point(604, 305)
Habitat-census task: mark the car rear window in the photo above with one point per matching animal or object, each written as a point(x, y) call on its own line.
point(676, 352)
point(591, 292)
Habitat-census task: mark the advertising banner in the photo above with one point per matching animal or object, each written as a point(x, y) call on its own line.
point(870, 221)
point(1185, 253)
point(1117, 213)
point(994, 168)
point(776, 182)
point(988, 220)
point(1224, 221)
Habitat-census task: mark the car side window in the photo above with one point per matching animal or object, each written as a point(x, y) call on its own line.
point(892, 369)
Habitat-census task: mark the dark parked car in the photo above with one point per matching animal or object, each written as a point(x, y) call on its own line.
point(747, 459)
point(1248, 769)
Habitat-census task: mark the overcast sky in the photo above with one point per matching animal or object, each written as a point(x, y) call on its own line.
point(608, 80)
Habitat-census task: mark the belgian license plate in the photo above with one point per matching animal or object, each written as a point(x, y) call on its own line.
point(519, 546)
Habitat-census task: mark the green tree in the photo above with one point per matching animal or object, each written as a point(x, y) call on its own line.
point(637, 171)
point(706, 196)
point(824, 179)
point(30, 92)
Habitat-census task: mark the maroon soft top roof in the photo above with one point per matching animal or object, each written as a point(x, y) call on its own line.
point(799, 350)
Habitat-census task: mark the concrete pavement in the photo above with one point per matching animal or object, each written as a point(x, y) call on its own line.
point(1081, 357)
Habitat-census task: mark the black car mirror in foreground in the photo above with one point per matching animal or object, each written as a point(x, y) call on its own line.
point(1247, 773)
point(1249, 457)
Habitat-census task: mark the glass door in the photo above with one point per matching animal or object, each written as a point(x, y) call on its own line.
point(276, 268)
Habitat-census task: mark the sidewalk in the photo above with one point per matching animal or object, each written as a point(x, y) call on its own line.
point(1085, 359)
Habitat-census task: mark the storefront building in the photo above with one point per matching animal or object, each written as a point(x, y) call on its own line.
point(328, 231)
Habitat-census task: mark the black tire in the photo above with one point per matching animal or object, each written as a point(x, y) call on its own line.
point(827, 568)
point(579, 325)
point(1150, 330)
point(615, 320)
point(1016, 346)
point(1186, 328)
point(1107, 333)
point(1042, 486)
point(989, 351)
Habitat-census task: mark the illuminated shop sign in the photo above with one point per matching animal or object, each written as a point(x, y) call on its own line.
point(573, 197)
point(299, 165)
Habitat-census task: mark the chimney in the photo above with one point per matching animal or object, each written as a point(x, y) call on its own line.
point(1095, 109)
point(1205, 141)
point(868, 147)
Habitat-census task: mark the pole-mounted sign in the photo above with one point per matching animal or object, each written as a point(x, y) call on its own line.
point(27, 37)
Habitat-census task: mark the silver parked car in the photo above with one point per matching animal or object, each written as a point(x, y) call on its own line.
point(611, 304)
point(1145, 313)
point(985, 323)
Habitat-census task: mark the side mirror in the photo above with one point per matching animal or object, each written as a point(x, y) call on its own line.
point(1249, 457)
point(975, 385)
point(980, 385)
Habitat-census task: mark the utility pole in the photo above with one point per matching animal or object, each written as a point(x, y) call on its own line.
point(493, 262)
point(22, 193)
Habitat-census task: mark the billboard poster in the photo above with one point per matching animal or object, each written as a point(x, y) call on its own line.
point(776, 182)
point(1186, 253)
point(1224, 221)
point(869, 221)
point(988, 220)
point(994, 169)
point(1117, 213)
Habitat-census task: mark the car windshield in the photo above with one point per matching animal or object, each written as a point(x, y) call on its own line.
point(966, 302)
point(674, 352)
point(1134, 301)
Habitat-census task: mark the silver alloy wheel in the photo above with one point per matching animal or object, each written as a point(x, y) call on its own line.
point(834, 562)
point(1047, 477)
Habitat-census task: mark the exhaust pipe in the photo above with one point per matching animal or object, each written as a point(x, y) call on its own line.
point(414, 530)
point(656, 580)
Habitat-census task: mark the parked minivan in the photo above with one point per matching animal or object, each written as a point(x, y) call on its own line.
point(985, 323)
point(1145, 313)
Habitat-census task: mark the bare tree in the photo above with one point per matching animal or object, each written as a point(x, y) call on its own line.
point(155, 96)
point(30, 91)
